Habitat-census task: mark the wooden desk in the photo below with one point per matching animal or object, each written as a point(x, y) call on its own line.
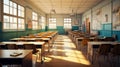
point(25, 60)
point(40, 45)
point(95, 44)
point(30, 39)
point(47, 40)
point(21, 43)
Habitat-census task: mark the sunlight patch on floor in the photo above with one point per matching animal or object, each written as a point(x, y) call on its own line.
point(73, 59)
point(71, 54)
point(47, 59)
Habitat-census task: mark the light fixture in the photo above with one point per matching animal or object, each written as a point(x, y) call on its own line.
point(53, 11)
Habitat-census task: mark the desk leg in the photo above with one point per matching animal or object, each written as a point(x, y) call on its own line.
point(27, 61)
point(42, 53)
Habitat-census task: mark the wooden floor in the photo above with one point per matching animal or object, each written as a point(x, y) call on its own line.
point(64, 54)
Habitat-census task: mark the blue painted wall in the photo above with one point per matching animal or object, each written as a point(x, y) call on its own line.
point(4, 36)
point(60, 29)
point(46, 28)
point(75, 28)
point(106, 30)
point(117, 33)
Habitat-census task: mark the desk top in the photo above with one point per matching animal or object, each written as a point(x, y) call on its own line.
point(101, 42)
point(5, 54)
point(30, 39)
point(21, 43)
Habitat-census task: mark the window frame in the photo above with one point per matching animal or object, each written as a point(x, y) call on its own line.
point(11, 23)
point(42, 22)
point(35, 24)
point(67, 23)
point(52, 23)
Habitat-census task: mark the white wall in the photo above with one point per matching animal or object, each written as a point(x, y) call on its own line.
point(97, 15)
point(60, 19)
point(116, 15)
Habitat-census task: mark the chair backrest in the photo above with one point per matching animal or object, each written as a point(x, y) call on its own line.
point(96, 39)
point(85, 41)
point(30, 46)
point(116, 50)
point(114, 36)
point(109, 39)
point(11, 46)
point(104, 49)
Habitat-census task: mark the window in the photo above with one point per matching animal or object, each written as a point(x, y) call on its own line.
point(42, 22)
point(21, 23)
point(52, 23)
point(13, 8)
point(34, 21)
point(20, 11)
point(21, 20)
point(13, 23)
point(6, 6)
point(12, 20)
point(6, 22)
point(67, 23)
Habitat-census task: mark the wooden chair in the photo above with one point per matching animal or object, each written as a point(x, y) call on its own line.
point(11, 46)
point(103, 50)
point(84, 44)
point(109, 39)
point(115, 55)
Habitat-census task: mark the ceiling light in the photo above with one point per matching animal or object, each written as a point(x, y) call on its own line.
point(53, 11)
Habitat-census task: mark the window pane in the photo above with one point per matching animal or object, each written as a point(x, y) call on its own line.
point(6, 19)
point(22, 21)
point(15, 20)
point(6, 2)
point(19, 20)
point(21, 27)
point(22, 13)
point(13, 26)
point(11, 4)
point(14, 5)
point(21, 24)
point(6, 26)
point(19, 13)
point(15, 11)
point(11, 10)
point(35, 20)
point(6, 22)
point(11, 19)
point(6, 9)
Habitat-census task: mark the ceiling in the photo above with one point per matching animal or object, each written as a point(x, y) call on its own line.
point(65, 6)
